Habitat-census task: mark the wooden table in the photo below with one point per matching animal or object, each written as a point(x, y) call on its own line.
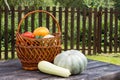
point(11, 70)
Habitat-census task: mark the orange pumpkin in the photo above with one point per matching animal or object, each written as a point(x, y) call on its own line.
point(41, 31)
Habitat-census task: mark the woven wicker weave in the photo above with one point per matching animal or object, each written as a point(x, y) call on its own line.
point(31, 51)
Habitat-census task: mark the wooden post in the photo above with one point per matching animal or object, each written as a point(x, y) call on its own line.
point(32, 21)
point(116, 31)
point(89, 31)
point(78, 29)
point(47, 18)
point(53, 25)
point(6, 32)
point(84, 30)
point(19, 15)
point(0, 32)
point(26, 19)
point(95, 31)
point(40, 17)
point(111, 31)
point(60, 18)
point(72, 29)
point(12, 32)
point(66, 30)
point(99, 29)
point(105, 29)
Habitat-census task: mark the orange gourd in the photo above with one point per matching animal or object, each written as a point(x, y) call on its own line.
point(41, 31)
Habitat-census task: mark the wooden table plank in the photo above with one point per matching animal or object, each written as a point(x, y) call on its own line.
point(11, 70)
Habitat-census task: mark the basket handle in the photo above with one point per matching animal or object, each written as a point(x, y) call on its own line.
point(58, 26)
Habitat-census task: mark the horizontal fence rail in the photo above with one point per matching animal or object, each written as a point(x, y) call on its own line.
point(91, 31)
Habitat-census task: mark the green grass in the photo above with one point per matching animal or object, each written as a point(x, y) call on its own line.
point(9, 56)
point(109, 58)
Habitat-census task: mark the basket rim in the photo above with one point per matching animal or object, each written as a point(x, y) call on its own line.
point(37, 39)
point(27, 47)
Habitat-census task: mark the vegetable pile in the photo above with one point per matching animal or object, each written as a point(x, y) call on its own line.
point(40, 32)
point(65, 64)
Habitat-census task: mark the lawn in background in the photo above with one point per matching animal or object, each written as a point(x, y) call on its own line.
point(113, 58)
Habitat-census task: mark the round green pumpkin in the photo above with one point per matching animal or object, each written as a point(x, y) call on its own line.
point(73, 60)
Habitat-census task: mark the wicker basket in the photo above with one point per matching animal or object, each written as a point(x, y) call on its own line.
point(31, 51)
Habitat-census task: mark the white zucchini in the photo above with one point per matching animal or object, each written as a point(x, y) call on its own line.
point(49, 68)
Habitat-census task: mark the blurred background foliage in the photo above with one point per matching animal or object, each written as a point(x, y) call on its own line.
point(63, 3)
point(84, 3)
point(29, 3)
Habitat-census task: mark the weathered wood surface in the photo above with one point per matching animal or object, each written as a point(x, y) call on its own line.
point(11, 70)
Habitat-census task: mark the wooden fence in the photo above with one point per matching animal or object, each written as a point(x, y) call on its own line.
point(91, 31)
